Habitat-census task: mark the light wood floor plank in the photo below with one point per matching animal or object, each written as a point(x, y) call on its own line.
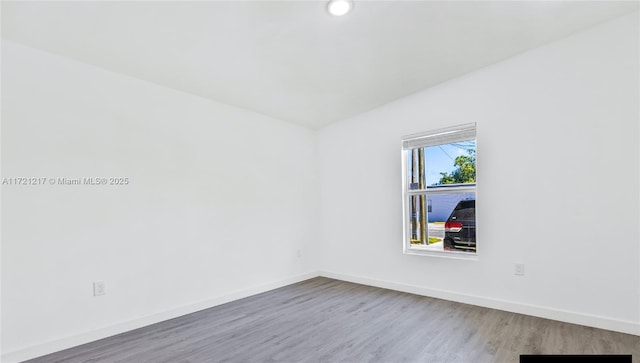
point(325, 320)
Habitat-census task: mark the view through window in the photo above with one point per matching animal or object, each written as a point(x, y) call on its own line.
point(439, 170)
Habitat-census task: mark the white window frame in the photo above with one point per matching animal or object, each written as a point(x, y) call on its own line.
point(433, 138)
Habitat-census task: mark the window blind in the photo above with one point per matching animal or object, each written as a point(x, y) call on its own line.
point(439, 137)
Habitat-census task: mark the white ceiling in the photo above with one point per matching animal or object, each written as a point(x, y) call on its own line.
point(292, 60)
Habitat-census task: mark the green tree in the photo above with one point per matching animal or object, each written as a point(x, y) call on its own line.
point(465, 171)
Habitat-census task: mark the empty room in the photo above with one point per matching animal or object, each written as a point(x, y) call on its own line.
point(320, 181)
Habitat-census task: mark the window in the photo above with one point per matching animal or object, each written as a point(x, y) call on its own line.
point(439, 191)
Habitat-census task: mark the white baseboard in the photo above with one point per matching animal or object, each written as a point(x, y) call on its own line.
point(90, 336)
point(628, 327)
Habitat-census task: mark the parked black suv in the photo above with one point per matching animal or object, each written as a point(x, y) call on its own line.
point(460, 227)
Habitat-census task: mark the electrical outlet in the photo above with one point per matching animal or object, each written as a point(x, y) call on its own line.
point(99, 288)
point(299, 253)
point(519, 269)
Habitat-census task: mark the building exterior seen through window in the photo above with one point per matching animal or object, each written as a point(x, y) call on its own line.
point(439, 196)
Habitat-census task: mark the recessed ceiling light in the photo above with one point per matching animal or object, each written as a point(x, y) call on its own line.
point(339, 7)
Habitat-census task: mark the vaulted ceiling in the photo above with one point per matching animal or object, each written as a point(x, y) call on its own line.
point(291, 59)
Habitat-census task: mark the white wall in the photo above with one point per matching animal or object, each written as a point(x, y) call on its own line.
point(219, 202)
point(557, 184)
point(221, 199)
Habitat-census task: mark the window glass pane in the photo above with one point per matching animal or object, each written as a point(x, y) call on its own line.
point(449, 224)
point(453, 163)
point(442, 165)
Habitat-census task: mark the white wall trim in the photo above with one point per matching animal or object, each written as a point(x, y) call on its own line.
point(90, 336)
point(622, 326)
point(600, 322)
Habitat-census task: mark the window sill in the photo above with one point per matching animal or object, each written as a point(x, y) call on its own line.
point(442, 254)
